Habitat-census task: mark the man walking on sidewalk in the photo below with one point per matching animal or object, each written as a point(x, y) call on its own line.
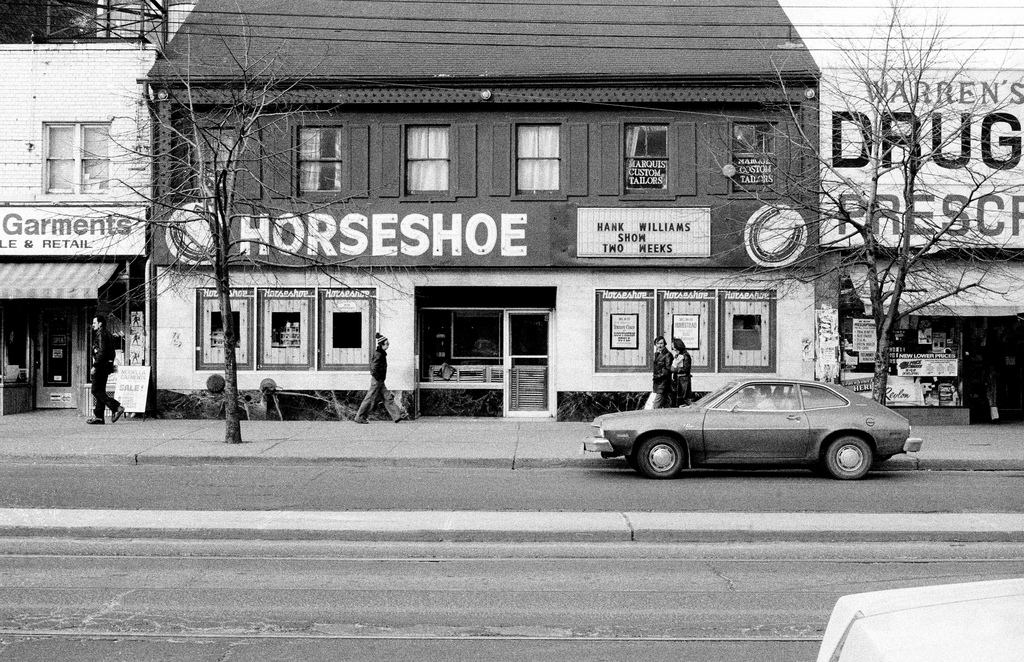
point(378, 373)
point(102, 366)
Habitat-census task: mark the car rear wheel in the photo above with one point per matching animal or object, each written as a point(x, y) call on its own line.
point(660, 457)
point(848, 458)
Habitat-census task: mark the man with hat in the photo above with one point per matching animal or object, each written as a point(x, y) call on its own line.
point(378, 372)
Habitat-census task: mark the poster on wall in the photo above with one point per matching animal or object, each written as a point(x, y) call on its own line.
point(687, 329)
point(864, 340)
point(827, 365)
point(903, 391)
point(625, 331)
point(925, 365)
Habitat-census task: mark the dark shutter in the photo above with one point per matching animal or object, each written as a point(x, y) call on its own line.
point(609, 163)
point(578, 160)
point(464, 163)
point(685, 159)
point(387, 173)
point(501, 159)
point(718, 155)
point(357, 162)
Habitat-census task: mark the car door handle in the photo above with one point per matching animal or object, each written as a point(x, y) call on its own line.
point(793, 417)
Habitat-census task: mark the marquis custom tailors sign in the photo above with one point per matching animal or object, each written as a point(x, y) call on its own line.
point(81, 231)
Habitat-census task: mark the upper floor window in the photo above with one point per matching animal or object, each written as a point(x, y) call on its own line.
point(319, 159)
point(77, 19)
point(77, 158)
point(427, 159)
point(646, 157)
point(537, 158)
point(753, 155)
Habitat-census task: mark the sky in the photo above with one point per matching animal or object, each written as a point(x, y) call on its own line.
point(990, 34)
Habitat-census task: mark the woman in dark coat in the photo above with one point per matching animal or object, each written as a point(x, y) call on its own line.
point(681, 365)
point(661, 386)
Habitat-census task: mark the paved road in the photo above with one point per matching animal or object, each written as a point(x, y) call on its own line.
point(248, 600)
point(332, 487)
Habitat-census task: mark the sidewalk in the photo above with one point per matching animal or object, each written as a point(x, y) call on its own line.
point(63, 437)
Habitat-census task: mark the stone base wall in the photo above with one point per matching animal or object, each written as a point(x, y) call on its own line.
point(576, 406)
point(279, 406)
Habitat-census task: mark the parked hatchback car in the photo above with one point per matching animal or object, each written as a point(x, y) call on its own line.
point(758, 422)
point(949, 623)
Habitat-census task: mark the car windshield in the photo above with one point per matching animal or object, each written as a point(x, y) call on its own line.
point(714, 395)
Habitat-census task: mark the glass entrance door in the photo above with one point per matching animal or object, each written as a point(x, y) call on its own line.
point(58, 364)
point(528, 373)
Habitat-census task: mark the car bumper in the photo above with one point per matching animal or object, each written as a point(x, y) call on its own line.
point(598, 445)
point(912, 445)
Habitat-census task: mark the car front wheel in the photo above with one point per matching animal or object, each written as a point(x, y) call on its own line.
point(660, 457)
point(848, 458)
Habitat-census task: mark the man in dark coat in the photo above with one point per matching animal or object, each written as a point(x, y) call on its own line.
point(378, 373)
point(102, 366)
point(661, 384)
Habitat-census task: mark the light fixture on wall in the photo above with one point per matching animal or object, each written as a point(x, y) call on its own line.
point(809, 93)
point(729, 170)
point(485, 95)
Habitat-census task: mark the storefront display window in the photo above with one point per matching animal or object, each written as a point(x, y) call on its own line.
point(347, 323)
point(924, 360)
point(15, 348)
point(286, 328)
point(690, 316)
point(748, 324)
point(625, 330)
point(210, 329)
point(462, 345)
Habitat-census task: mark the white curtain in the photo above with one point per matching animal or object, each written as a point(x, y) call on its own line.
point(538, 162)
point(427, 149)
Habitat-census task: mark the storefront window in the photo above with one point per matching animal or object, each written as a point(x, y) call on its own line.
point(462, 345)
point(15, 347)
point(924, 360)
point(748, 326)
point(286, 328)
point(537, 162)
point(690, 316)
point(210, 329)
point(625, 330)
point(646, 157)
point(347, 324)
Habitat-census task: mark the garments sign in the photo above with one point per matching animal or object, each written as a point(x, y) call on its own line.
point(80, 231)
point(132, 387)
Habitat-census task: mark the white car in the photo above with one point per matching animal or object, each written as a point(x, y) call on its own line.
point(974, 622)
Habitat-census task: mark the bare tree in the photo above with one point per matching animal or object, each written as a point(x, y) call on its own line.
point(215, 165)
point(913, 190)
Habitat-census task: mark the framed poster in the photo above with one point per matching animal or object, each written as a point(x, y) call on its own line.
point(625, 331)
point(687, 329)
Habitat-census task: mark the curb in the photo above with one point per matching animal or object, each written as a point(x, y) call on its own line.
point(514, 526)
point(896, 464)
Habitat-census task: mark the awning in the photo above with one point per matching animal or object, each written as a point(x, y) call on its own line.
point(53, 280)
point(996, 292)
